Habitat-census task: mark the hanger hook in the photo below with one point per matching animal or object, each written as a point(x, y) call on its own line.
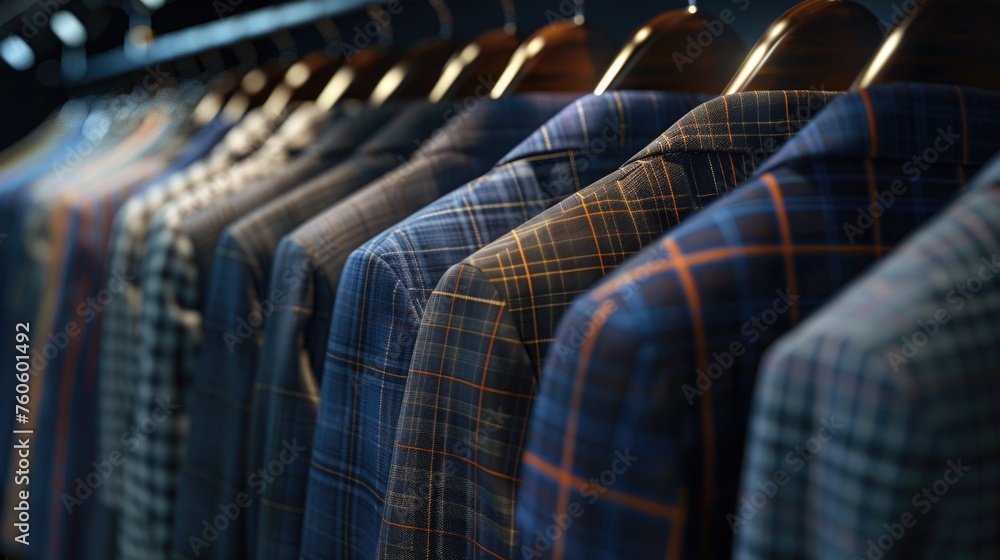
point(509, 16)
point(444, 18)
point(578, 16)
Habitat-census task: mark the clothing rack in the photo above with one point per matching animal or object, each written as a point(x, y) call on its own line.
point(217, 34)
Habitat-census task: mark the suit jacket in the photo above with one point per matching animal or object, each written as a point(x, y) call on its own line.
point(307, 269)
point(222, 383)
point(67, 291)
point(645, 398)
point(489, 322)
point(127, 246)
point(166, 339)
point(904, 361)
point(171, 319)
point(387, 282)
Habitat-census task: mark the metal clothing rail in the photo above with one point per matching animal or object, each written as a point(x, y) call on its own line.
point(204, 37)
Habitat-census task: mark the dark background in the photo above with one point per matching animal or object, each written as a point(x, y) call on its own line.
point(27, 97)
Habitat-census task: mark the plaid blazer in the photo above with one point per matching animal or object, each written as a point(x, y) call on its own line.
point(120, 317)
point(167, 335)
point(307, 268)
point(221, 385)
point(489, 321)
point(246, 251)
point(170, 330)
point(386, 284)
point(636, 436)
point(906, 361)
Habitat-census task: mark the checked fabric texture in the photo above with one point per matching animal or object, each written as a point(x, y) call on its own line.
point(308, 265)
point(167, 337)
point(386, 284)
point(658, 362)
point(489, 322)
point(906, 359)
point(121, 316)
point(236, 294)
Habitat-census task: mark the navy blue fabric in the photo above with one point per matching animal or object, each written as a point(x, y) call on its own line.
point(307, 270)
point(214, 474)
point(645, 398)
point(387, 282)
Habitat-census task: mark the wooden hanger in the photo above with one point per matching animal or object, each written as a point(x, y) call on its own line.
point(818, 43)
point(686, 50)
point(258, 84)
point(255, 87)
point(953, 42)
point(486, 56)
point(567, 56)
point(221, 89)
point(226, 84)
point(364, 68)
point(413, 76)
point(304, 81)
point(356, 79)
point(416, 72)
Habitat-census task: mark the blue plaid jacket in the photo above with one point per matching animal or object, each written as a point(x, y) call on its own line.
point(488, 324)
point(307, 269)
point(386, 284)
point(236, 305)
point(637, 434)
point(906, 362)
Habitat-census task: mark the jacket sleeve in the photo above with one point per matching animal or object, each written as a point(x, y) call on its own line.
point(461, 429)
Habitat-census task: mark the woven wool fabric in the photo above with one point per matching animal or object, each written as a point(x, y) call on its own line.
point(906, 361)
point(489, 322)
point(386, 284)
point(307, 268)
point(657, 364)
